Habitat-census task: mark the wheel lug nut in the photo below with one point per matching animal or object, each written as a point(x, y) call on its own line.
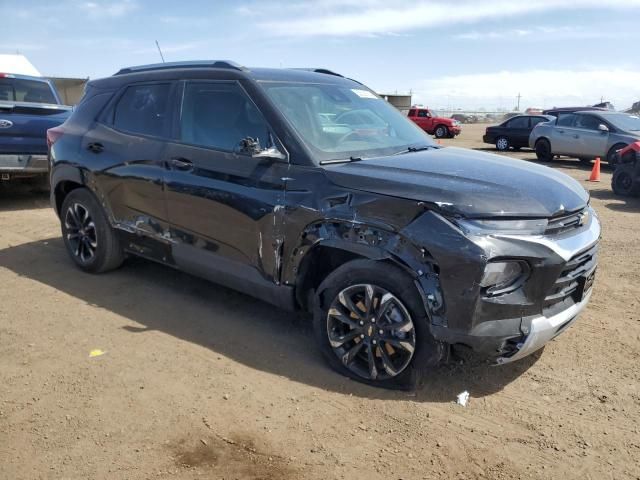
point(380, 332)
point(361, 322)
point(374, 342)
point(373, 320)
point(362, 335)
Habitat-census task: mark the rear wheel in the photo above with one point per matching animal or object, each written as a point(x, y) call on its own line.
point(441, 131)
point(623, 181)
point(502, 144)
point(90, 241)
point(612, 158)
point(370, 323)
point(543, 150)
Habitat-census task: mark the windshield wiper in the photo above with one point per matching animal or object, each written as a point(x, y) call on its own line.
point(341, 160)
point(415, 149)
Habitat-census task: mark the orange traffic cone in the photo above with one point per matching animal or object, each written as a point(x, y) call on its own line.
point(439, 142)
point(595, 172)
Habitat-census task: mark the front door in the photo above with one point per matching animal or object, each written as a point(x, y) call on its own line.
point(591, 142)
point(563, 135)
point(224, 205)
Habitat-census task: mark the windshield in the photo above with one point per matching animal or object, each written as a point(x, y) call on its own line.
point(338, 122)
point(623, 121)
point(22, 90)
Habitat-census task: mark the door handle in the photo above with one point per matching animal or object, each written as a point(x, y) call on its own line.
point(95, 147)
point(179, 163)
point(560, 131)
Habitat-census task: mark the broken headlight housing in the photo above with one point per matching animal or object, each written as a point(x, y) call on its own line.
point(534, 226)
point(504, 276)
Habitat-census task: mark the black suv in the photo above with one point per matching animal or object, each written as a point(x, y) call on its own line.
point(305, 189)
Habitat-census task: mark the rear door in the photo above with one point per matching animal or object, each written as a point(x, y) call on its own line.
point(591, 142)
point(128, 146)
point(224, 205)
point(518, 130)
point(563, 135)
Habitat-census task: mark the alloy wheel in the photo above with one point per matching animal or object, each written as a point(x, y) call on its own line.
point(440, 132)
point(371, 332)
point(502, 143)
point(81, 232)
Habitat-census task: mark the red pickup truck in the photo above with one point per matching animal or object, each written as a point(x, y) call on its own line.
point(439, 126)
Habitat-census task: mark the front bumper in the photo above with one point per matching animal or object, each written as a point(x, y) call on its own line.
point(544, 329)
point(455, 130)
point(16, 165)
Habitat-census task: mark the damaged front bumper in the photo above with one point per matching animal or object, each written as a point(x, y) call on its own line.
point(544, 329)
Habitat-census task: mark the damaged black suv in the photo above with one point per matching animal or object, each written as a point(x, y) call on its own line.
point(305, 189)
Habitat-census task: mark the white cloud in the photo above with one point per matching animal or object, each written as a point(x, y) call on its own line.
point(108, 9)
point(170, 48)
point(545, 88)
point(337, 18)
point(538, 33)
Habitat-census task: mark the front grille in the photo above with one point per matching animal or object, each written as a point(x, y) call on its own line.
point(565, 223)
point(564, 292)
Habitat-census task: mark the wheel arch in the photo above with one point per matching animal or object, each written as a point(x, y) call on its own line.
point(64, 179)
point(326, 246)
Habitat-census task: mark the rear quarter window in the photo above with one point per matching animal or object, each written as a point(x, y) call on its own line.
point(29, 91)
point(143, 109)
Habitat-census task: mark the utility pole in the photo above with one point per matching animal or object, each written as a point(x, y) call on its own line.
point(160, 51)
point(518, 97)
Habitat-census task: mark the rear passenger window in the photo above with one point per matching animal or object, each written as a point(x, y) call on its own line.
point(143, 109)
point(219, 116)
point(565, 120)
point(536, 120)
point(587, 122)
point(519, 122)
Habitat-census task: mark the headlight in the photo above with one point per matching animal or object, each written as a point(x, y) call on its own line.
point(504, 277)
point(511, 227)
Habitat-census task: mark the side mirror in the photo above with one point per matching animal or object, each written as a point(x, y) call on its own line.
point(271, 153)
point(603, 128)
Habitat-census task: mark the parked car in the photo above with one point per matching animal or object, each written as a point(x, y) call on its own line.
point(463, 118)
point(28, 107)
point(513, 133)
point(440, 127)
point(398, 247)
point(585, 135)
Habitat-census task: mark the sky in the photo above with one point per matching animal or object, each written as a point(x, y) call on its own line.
point(467, 54)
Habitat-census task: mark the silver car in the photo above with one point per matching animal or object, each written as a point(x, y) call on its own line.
point(585, 135)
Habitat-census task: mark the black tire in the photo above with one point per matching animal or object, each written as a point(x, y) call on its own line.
point(624, 181)
point(502, 144)
point(612, 158)
point(90, 241)
point(399, 367)
point(441, 131)
point(543, 150)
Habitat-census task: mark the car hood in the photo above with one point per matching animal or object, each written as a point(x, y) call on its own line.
point(465, 182)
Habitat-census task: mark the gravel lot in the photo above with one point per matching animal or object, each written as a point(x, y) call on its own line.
point(197, 381)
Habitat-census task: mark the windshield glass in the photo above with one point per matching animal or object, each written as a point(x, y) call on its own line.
point(339, 122)
point(22, 90)
point(629, 123)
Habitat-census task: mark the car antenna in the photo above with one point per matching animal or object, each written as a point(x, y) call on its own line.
point(160, 51)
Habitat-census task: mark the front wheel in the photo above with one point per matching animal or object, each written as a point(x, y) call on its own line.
point(623, 181)
point(612, 157)
point(441, 131)
point(370, 323)
point(90, 241)
point(543, 150)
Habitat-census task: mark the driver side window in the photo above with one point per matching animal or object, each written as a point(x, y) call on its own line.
point(220, 116)
point(423, 113)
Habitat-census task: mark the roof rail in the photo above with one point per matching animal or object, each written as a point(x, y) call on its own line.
point(320, 70)
point(188, 64)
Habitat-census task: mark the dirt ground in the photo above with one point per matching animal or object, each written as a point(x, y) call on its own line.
point(197, 381)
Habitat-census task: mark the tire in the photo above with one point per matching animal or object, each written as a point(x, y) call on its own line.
point(624, 182)
point(612, 159)
point(502, 144)
point(90, 241)
point(441, 131)
point(543, 150)
point(399, 366)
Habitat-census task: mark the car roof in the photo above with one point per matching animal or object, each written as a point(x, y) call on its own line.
point(222, 69)
point(575, 109)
